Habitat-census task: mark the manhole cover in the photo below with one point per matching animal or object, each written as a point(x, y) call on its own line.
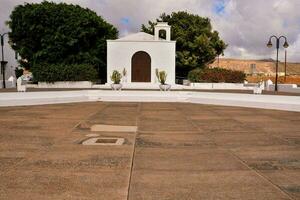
point(107, 140)
point(104, 141)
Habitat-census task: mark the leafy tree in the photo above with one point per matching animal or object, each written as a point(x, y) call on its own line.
point(197, 44)
point(60, 34)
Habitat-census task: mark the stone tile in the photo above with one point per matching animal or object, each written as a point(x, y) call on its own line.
point(246, 139)
point(271, 157)
point(183, 151)
point(287, 180)
point(284, 127)
point(51, 184)
point(224, 125)
point(165, 125)
point(157, 184)
point(183, 159)
point(8, 162)
point(80, 158)
point(257, 119)
point(267, 152)
point(173, 139)
point(158, 106)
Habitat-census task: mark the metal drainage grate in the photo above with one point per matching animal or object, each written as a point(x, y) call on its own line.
point(103, 141)
point(107, 140)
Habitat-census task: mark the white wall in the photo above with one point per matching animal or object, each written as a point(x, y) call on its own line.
point(66, 84)
point(162, 53)
point(223, 86)
point(285, 88)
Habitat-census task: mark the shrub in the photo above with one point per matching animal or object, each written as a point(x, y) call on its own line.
point(62, 72)
point(116, 77)
point(161, 76)
point(216, 75)
point(18, 72)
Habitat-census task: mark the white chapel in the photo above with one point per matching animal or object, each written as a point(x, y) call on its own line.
point(141, 54)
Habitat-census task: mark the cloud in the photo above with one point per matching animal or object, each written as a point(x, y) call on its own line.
point(244, 25)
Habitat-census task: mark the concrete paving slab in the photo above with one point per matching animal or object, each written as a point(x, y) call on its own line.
point(158, 184)
point(244, 139)
point(192, 159)
point(51, 184)
point(180, 151)
point(224, 125)
point(173, 139)
point(287, 180)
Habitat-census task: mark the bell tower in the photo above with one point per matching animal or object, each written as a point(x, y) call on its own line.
point(162, 26)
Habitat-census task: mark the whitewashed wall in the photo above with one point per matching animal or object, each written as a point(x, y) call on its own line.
point(65, 84)
point(162, 53)
point(285, 88)
point(221, 86)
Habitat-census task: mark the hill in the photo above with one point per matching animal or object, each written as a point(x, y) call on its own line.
point(251, 67)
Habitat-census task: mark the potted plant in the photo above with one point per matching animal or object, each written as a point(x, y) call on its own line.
point(116, 79)
point(124, 73)
point(162, 77)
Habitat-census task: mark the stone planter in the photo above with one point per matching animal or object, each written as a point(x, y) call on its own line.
point(116, 86)
point(165, 87)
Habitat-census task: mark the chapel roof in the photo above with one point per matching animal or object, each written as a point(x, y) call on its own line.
point(141, 36)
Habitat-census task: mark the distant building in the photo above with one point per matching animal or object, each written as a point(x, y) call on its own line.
point(253, 68)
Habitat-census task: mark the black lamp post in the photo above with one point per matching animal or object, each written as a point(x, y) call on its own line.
point(285, 45)
point(3, 63)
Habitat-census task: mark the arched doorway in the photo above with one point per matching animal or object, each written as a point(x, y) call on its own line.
point(141, 67)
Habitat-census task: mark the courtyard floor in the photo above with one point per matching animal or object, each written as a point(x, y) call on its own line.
point(180, 151)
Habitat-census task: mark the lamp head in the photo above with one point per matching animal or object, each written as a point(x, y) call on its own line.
point(269, 44)
point(286, 45)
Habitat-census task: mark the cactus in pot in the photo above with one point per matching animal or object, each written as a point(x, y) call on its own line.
point(116, 79)
point(162, 77)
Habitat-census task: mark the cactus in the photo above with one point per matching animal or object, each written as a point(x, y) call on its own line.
point(161, 76)
point(116, 77)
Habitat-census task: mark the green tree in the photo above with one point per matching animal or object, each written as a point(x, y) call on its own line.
point(60, 34)
point(197, 44)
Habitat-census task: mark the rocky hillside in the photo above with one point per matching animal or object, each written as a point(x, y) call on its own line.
point(266, 67)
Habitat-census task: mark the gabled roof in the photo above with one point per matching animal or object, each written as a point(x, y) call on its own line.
point(141, 36)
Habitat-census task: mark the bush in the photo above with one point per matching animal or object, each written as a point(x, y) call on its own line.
point(18, 72)
point(62, 72)
point(216, 75)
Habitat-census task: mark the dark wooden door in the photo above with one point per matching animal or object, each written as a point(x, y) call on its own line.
point(141, 67)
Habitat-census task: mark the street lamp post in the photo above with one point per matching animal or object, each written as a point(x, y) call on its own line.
point(285, 45)
point(3, 63)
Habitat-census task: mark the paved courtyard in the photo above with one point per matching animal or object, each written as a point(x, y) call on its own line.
point(180, 151)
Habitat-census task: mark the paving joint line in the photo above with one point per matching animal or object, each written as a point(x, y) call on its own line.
point(133, 151)
point(260, 175)
point(243, 163)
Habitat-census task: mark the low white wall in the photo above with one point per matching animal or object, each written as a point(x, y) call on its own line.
point(8, 84)
point(66, 84)
point(291, 103)
point(228, 86)
point(285, 88)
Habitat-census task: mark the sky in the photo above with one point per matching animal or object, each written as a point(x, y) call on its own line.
point(243, 24)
